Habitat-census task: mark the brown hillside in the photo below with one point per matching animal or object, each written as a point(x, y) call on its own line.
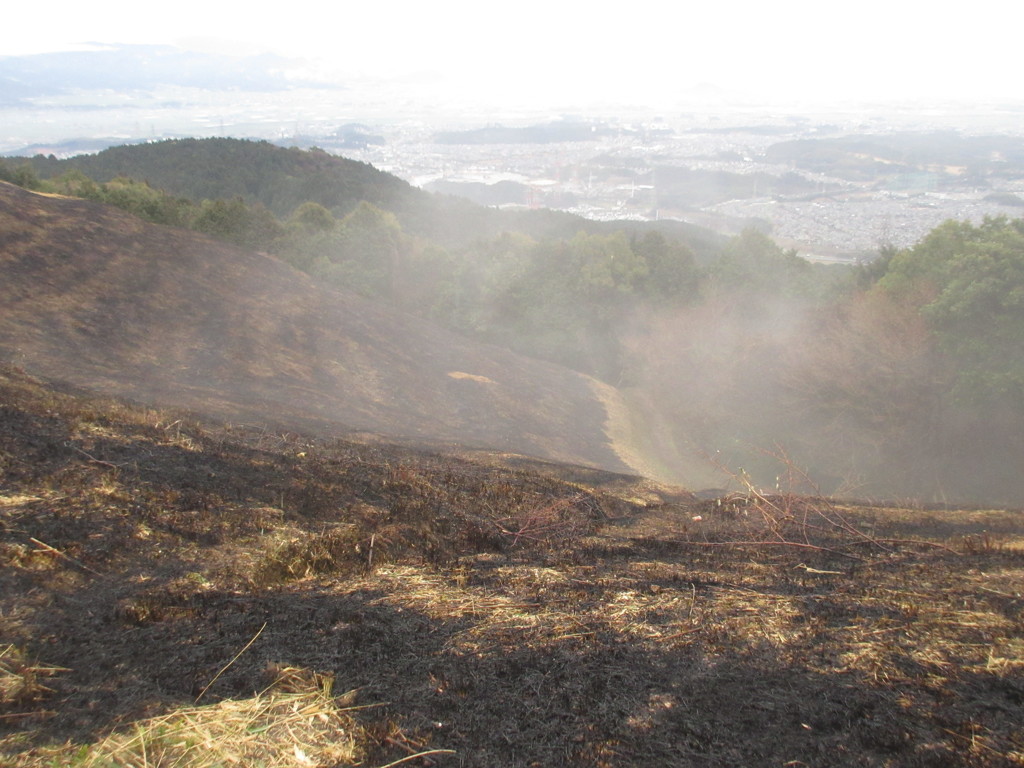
point(97, 298)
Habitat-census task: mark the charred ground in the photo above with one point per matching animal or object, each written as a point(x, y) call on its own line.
point(287, 599)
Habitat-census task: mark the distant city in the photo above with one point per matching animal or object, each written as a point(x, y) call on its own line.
point(717, 176)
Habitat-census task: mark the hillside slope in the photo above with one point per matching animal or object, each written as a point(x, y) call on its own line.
point(97, 298)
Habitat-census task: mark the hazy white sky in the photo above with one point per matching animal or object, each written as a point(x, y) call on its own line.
point(572, 51)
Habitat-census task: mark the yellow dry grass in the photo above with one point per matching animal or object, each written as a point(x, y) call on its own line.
point(272, 730)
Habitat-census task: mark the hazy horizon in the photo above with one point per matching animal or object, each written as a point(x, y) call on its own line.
point(551, 56)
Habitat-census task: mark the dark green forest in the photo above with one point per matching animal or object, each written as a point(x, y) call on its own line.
point(904, 376)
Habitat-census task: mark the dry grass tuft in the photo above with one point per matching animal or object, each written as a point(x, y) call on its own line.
point(21, 680)
point(294, 723)
point(303, 554)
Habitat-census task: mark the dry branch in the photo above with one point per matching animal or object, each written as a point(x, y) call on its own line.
point(54, 551)
point(228, 665)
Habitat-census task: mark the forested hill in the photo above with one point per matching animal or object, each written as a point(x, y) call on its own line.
point(282, 179)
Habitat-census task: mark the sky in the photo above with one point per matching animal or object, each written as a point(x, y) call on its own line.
point(557, 52)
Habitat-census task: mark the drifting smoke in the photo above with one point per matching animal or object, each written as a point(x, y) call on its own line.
point(854, 398)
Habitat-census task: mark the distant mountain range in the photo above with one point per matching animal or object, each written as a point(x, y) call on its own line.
point(127, 68)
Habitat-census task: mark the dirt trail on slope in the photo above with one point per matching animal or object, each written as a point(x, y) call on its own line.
point(641, 439)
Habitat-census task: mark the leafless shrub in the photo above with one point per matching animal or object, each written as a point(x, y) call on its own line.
point(983, 543)
point(548, 522)
point(795, 514)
